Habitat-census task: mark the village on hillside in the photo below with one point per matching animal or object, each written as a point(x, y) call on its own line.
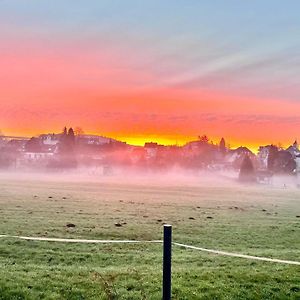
point(72, 149)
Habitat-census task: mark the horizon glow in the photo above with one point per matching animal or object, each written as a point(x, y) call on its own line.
point(152, 71)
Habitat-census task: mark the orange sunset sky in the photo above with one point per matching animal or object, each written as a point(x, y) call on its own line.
point(152, 71)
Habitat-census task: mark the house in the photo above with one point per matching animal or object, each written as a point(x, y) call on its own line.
point(90, 139)
point(262, 156)
point(234, 157)
point(37, 156)
point(50, 139)
point(152, 149)
point(294, 149)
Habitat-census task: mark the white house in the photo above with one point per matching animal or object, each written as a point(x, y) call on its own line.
point(37, 156)
point(49, 139)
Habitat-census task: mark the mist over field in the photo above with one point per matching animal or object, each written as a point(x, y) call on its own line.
point(149, 150)
point(205, 210)
point(176, 176)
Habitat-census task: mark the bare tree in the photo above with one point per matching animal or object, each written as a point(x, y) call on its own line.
point(203, 138)
point(78, 131)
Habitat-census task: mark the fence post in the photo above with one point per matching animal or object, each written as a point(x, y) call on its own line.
point(167, 258)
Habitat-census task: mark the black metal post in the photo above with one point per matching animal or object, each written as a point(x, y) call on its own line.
point(167, 259)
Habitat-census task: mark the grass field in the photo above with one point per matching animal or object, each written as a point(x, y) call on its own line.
point(255, 220)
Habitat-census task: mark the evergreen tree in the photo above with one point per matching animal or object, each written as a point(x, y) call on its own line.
point(67, 141)
point(71, 138)
point(247, 173)
point(67, 158)
point(284, 163)
point(222, 146)
point(295, 145)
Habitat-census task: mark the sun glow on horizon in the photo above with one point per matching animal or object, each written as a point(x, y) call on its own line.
point(169, 140)
point(173, 141)
point(161, 140)
point(138, 81)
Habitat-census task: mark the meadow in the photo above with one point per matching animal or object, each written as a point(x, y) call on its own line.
point(223, 215)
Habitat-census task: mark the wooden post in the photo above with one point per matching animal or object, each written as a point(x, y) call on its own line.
point(167, 259)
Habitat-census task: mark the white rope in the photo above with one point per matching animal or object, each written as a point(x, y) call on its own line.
point(219, 252)
point(290, 262)
point(83, 241)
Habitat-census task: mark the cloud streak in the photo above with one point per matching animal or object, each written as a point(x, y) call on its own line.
point(227, 69)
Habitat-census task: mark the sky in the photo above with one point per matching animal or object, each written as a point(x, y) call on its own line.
point(165, 71)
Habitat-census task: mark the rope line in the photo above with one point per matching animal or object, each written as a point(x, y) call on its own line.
point(219, 252)
point(225, 253)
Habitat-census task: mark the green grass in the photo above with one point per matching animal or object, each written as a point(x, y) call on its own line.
point(250, 220)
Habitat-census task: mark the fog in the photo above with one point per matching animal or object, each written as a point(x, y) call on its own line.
point(88, 158)
point(172, 177)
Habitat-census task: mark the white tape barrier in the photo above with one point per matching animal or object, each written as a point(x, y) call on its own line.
point(290, 262)
point(219, 252)
point(83, 241)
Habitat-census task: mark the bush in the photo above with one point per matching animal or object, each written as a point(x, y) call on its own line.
point(247, 173)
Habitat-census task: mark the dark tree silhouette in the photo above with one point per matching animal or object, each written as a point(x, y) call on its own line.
point(65, 131)
point(203, 138)
point(66, 151)
point(71, 139)
point(67, 142)
point(280, 161)
point(222, 146)
point(272, 156)
point(284, 163)
point(247, 173)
